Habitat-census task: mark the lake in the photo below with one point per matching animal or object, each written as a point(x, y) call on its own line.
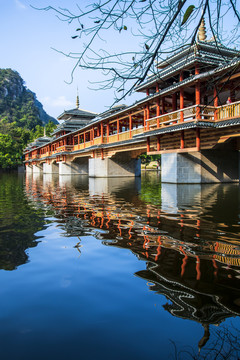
point(124, 268)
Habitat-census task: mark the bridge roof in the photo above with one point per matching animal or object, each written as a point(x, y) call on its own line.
point(38, 143)
point(76, 112)
point(207, 53)
point(73, 120)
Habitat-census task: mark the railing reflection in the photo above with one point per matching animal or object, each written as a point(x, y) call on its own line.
point(188, 258)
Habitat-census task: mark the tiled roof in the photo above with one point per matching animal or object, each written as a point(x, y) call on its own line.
point(203, 52)
point(77, 112)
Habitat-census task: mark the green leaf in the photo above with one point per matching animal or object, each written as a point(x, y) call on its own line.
point(125, 27)
point(97, 21)
point(147, 46)
point(188, 12)
point(74, 37)
point(78, 29)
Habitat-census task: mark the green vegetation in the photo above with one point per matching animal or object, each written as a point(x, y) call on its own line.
point(22, 118)
point(146, 159)
point(19, 222)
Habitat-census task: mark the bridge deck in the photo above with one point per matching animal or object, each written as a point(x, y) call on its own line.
point(207, 118)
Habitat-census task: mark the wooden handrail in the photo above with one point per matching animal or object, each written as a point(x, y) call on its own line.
point(228, 111)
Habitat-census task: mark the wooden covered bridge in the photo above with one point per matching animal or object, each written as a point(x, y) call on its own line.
point(190, 114)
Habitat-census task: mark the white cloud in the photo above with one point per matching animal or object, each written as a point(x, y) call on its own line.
point(60, 101)
point(20, 5)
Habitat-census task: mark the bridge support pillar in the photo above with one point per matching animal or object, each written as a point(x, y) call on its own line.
point(121, 165)
point(206, 166)
point(29, 169)
point(78, 167)
point(50, 168)
point(37, 169)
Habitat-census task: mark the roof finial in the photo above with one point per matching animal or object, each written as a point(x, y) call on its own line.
point(202, 31)
point(77, 101)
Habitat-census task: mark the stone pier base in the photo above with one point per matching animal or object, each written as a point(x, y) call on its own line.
point(207, 166)
point(52, 168)
point(114, 167)
point(37, 169)
point(29, 169)
point(77, 167)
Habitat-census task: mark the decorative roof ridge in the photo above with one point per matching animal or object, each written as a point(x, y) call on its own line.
point(202, 31)
point(156, 77)
point(177, 54)
point(76, 110)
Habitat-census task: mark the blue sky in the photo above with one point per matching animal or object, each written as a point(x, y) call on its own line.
point(26, 42)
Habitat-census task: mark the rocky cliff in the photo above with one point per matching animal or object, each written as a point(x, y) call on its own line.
point(18, 104)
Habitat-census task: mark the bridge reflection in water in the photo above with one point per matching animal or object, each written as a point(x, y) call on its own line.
point(187, 234)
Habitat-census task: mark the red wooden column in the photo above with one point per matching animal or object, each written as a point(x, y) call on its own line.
point(84, 138)
point(181, 99)
point(90, 136)
point(147, 115)
point(197, 95)
point(93, 135)
point(118, 129)
point(101, 132)
point(148, 144)
point(181, 112)
point(215, 102)
point(130, 126)
point(182, 140)
point(158, 143)
point(144, 119)
point(107, 131)
point(198, 139)
point(157, 88)
point(147, 92)
point(158, 111)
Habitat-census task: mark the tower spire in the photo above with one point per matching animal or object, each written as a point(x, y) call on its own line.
point(77, 100)
point(202, 31)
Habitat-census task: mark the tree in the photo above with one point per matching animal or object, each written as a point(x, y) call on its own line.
point(146, 159)
point(10, 154)
point(160, 26)
point(50, 127)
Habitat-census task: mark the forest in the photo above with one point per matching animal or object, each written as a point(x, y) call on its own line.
point(22, 118)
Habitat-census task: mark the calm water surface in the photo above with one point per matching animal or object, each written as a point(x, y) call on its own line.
point(117, 268)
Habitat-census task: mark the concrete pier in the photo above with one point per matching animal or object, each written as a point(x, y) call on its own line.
point(37, 169)
point(51, 168)
point(114, 167)
point(76, 167)
point(207, 166)
point(29, 169)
